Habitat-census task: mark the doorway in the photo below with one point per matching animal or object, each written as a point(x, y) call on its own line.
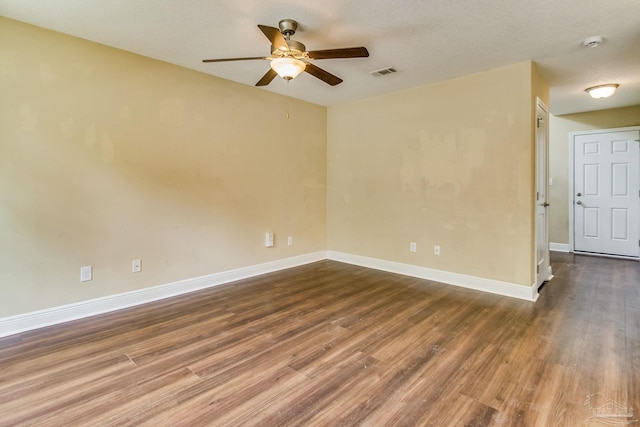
point(605, 192)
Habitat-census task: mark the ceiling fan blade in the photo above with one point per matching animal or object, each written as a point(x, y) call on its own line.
point(250, 58)
point(275, 37)
point(323, 75)
point(348, 52)
point(267, 78)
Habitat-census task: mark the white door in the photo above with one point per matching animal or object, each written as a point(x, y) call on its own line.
point(606, 198)
point(543, 270)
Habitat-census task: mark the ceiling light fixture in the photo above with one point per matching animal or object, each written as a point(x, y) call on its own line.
point(602, 91)
point(288, 68)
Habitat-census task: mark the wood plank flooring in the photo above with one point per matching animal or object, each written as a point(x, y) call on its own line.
point(340, 345)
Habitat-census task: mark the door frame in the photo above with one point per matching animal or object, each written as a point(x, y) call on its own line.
point(572, 138)
point(542, 276)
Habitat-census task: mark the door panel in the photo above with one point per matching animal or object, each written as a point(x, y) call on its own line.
point(591, 147)
point(607, 193)
point(620, 179)
point(591, 180)
point(591, 221)
point(620, 224)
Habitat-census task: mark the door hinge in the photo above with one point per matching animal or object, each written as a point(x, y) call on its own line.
point(537, 269)
point(538, 120)
point(537, 195)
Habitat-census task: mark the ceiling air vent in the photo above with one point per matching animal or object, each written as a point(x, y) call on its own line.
point(383, 71)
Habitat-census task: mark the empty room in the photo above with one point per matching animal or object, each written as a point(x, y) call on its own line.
point(355, 213)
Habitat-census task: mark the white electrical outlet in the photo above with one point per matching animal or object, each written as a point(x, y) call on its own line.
point(86, 273)
point(136, 266)
point(413, 247)
point(268, 239)
point(436, 249)
point(290, 240)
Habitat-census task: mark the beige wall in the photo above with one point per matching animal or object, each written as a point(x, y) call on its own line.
point(106, 156)
point(560, 129)
point(450, 164)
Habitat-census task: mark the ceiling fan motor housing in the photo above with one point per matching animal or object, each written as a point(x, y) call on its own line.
point(288, 27)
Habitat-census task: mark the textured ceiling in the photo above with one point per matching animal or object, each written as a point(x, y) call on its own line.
point(426, 41)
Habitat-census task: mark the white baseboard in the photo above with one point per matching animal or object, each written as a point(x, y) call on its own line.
point(56, 315)
point(559, 247)
point(529, 293)
point(52, 316)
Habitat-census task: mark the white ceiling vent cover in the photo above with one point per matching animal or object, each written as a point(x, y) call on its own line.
point(383, 71)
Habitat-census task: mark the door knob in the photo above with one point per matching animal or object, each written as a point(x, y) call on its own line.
point(546, 205)
point(578, 202)
point(579, 194)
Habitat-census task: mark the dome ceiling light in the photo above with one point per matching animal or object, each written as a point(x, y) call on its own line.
point(602, 91)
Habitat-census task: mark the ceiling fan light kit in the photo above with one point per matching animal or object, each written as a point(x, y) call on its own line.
point(602, 91)
point(289, 58)
point(288, 68)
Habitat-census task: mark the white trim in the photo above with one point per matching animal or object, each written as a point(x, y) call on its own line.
point(559, 247)
point(52, 316)
point(607, 130)
point(529, 293)
point(571, 177)
point(56, 315)
point(599, 255)
point(542, 277)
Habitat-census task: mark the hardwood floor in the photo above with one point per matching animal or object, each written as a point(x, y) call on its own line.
point(335, 344)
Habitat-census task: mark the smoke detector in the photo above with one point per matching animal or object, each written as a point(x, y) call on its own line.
point(592, 41)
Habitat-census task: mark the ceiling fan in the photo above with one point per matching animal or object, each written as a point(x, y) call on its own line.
point(290, 58)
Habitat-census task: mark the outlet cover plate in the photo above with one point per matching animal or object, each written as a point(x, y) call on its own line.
point(86, 273)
